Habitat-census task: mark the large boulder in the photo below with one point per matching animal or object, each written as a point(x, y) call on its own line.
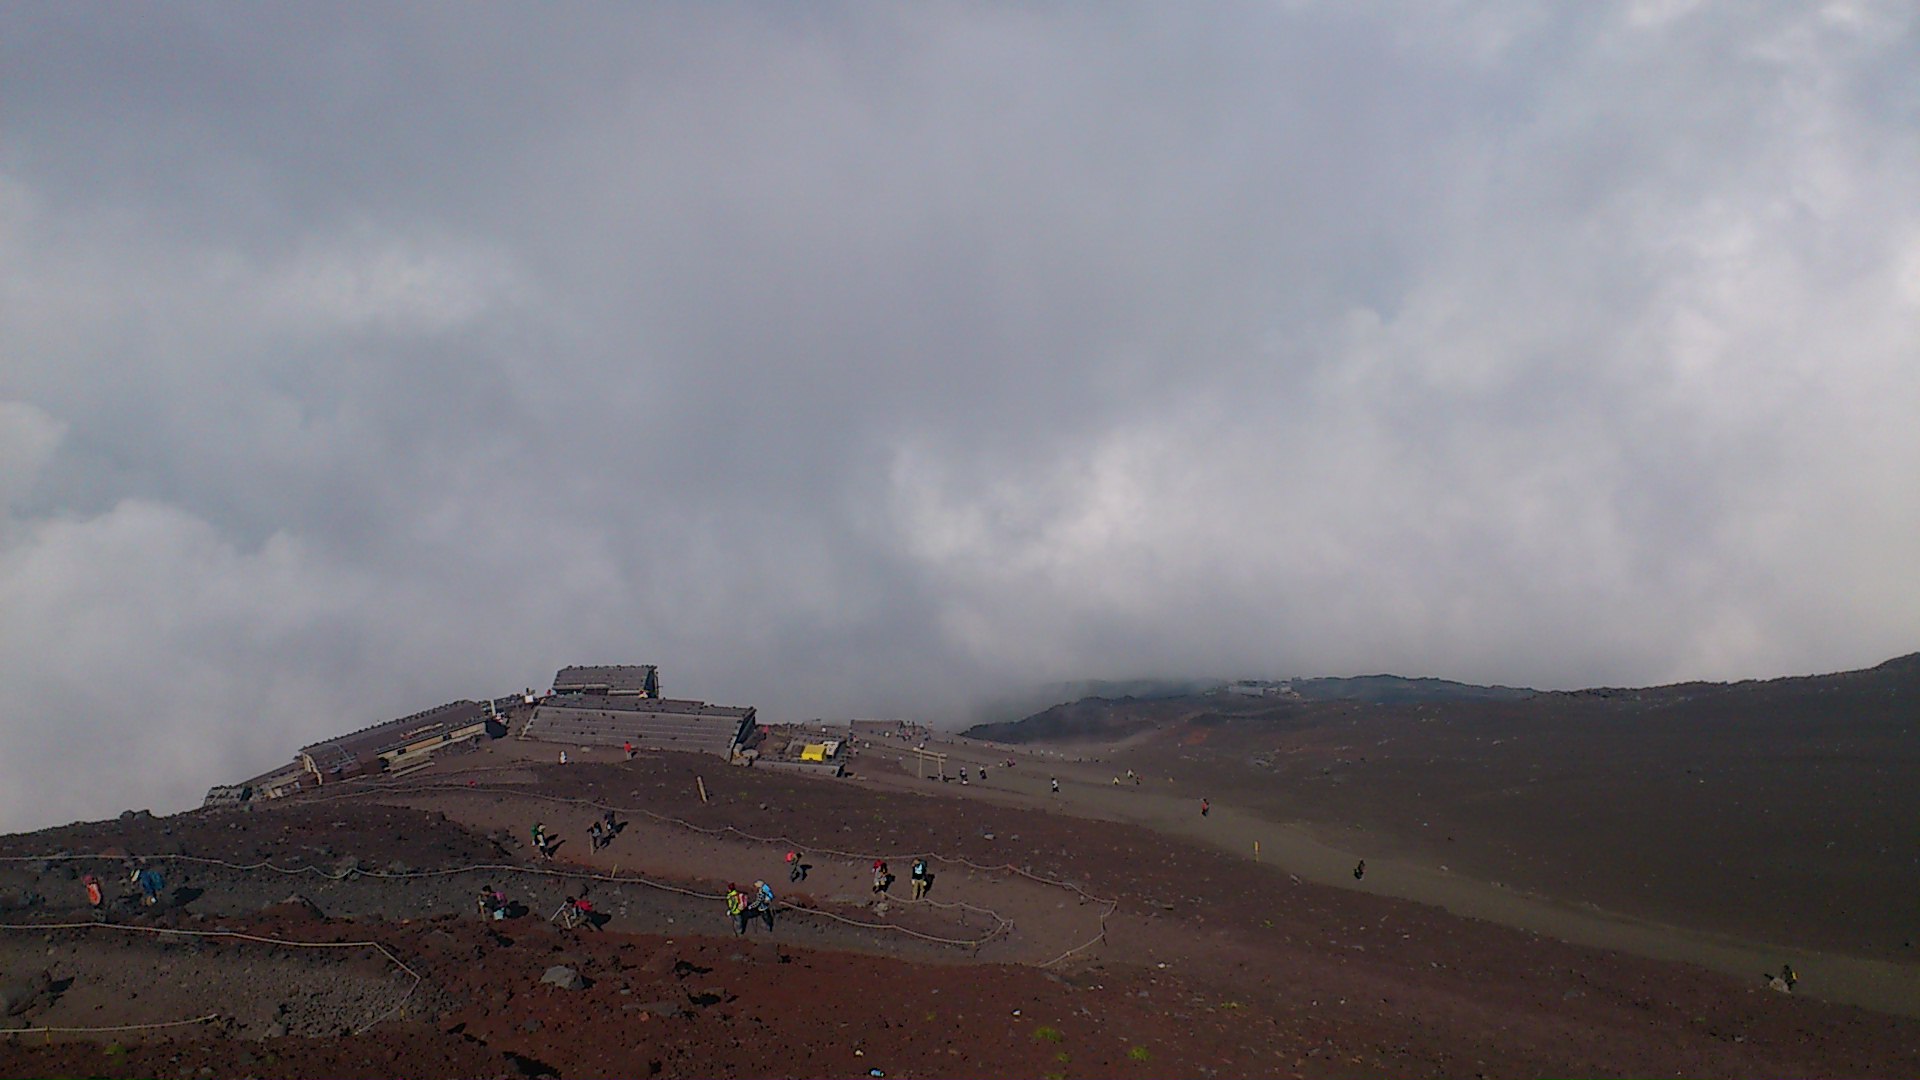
point(563, 977)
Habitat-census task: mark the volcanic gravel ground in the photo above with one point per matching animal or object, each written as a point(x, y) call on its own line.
point(1211, 965)
point(107, 978)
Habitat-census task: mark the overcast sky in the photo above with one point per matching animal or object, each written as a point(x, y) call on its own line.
point(875, 359)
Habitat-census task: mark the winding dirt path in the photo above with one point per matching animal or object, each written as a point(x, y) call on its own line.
point(1301, 849)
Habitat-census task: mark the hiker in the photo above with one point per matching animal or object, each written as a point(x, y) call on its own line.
point(983, 774)
point(150, 883)
point(1205, 808)
point(1787, 976)
point(1360, 870)
point(921, 881)
point(95, 899)
point(596, 836)
point(563, 757)
point(540, 840)
point(612, 824)
point(796, 870)
point(1055, 782)
point(583, 912)
point(493, 904)
point(629, 749)
point(737, 909)
point(963, 774)
point(763, 902)
point(881, 879)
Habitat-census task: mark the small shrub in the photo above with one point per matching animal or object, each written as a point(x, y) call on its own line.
point(1047, 1034)
point(1139, 1053)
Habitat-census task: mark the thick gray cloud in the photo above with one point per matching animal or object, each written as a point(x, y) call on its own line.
point(874, 360)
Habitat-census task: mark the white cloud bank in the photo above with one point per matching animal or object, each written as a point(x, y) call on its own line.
point(873, 361)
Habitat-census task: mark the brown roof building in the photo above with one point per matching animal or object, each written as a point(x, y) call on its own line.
point(378, 747)
point(616, 680)
point(647, 723)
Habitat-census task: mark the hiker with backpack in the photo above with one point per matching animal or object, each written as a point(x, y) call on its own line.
point(737, 908)
point(763, 902)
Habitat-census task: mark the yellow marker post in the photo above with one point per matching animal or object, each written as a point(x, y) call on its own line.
point(1256, 851)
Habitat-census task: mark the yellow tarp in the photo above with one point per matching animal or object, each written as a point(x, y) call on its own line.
point(814, 752)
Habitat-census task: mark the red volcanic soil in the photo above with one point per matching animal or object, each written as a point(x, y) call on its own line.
point(1064, 947)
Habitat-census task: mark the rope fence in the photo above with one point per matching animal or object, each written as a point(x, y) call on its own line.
point(229, 934)
point(389, 788)
point(666, 819)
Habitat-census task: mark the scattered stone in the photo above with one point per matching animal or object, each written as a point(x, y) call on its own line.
point(665, 1010)
point(532, 1023)
point(300, 906)
point(564, 977)
point(709, 995)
